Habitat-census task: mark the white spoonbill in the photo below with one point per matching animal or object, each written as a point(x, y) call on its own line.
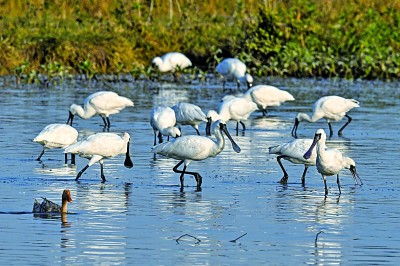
point(293, 151)
point(171, 62)
point(332, 108)
point(232, 108)
point(265, 96)
point(330, 161)
point(233, 68)
point(103, 103)
point(101, 146)
point(47, 206)
point(55, 136)
point(195, 148)
point(163, 120)
point(189, 114)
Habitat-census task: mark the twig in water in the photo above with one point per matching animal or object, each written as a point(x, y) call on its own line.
point(234, 240)
point(198, 240)
point(316, 237)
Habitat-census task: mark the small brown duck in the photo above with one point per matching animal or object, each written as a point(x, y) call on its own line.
point(47, 206)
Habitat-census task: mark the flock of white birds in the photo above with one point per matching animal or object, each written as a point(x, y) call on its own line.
point(167, 121)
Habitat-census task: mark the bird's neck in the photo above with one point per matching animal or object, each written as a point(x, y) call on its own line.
point(84, 113)
point(307, 118)
point(64, 206)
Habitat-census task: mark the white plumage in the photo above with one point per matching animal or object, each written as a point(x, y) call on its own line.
point(103, 103)
point(232, 108)
point(171, 62)
point(330, 161)
point(57, 136)
point(189, 114)
point(234, 69)
point(101, 146)
point(293, 151)
point(332, 108)
point(163, 120)
point(195, 148)
point(265, 96)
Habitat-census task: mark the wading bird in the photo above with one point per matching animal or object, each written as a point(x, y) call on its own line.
point(195, 148)
point(330, 161)
point(332, 108)
point(47, 206)
point(232, 108)
point(163, 120)
point(233, 68)
point(293, 151)
point(189, 114)
point(265, 96)
point(55, 136)
point(101, 146)
point(171, 62)
point(103, 103)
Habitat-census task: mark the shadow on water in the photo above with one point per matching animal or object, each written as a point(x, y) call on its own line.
point(137, 215)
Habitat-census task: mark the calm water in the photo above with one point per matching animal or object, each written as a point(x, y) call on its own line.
point(138, 215)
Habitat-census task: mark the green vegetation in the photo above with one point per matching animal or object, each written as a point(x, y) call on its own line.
point(298, 38)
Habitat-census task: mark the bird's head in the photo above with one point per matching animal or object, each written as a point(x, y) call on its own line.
point(66, 196)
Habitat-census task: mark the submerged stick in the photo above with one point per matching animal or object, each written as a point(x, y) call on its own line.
point(234, 240)
point(198, 240)
point(316, 237)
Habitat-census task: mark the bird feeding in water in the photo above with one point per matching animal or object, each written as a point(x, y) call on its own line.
point(332, 108)
point(293, 151)
point(171, 62)
point(103, 103)
point(163, 121)
point(101, 146)
point(233, 68)
point(56, 136)
point(232, 108)
point(189, 114)
point(47, 206)
point(195, 148)
point(265, 96)
point(330, 161)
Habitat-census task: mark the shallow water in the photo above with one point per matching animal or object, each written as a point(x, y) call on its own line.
point(140, 216)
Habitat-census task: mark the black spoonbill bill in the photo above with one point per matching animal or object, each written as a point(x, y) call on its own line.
point(57, 136)
point(330, 161)
point(265, 96)
point(332, 108)
point(293, 151)
point(103, 103)
point(189, 114)
point(195, 148)
point(101, 146)
point(171, 62)
point(47, 206)
point(232, 108)
point(163, 120)
point(233, 68)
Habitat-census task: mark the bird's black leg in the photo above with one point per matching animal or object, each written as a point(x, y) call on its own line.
point(198, 132)
point(81, 172)
point(102, 172)
point(338, 183)
point(345, 125)
point(264, 112)
point(330, 130)
point(243, 125)
point(108, 122)
point(160, 138)
point(285, 177)
point(104, 121)
point(40, 155)
point(197, 176)
point(66, 158)
point(303, 177)
point(72, 159)
point(326, 188)
point(155, 137)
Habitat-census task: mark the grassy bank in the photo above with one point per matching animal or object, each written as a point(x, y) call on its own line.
point(303, 38)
